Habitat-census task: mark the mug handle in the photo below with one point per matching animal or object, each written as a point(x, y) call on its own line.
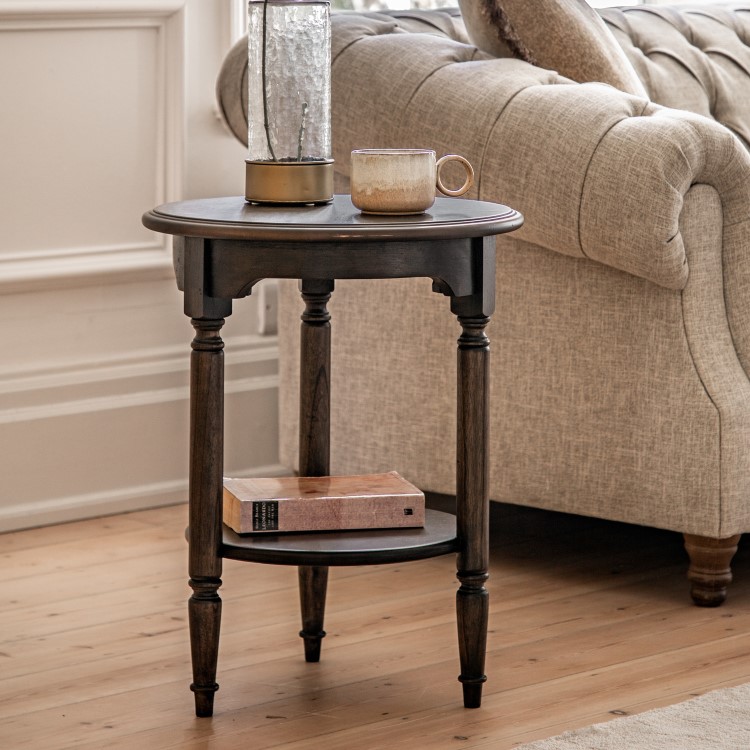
point(469, 175)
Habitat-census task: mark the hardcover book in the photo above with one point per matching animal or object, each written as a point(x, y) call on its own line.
point(288, 504)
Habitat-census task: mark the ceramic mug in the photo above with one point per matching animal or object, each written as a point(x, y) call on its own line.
point(401, 180)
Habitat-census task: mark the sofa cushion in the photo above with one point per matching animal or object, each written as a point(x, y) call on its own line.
point(562, 35)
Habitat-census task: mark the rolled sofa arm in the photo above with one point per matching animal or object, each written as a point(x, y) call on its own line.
point(597, 173)
point(601, 175)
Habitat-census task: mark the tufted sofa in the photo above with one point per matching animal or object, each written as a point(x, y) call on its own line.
point(621, 338)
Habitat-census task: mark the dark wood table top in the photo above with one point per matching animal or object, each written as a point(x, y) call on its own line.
point(234, 218)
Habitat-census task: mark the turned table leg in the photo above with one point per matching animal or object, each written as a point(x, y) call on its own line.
point(205, 531)
point(472, 470)
point(314, 441)
point(472, 505)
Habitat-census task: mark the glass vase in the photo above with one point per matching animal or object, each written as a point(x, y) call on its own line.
point(289, 102)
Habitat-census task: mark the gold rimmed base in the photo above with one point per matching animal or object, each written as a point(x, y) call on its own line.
point(293, 182)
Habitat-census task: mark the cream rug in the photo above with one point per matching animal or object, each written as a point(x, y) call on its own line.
point(719, 720)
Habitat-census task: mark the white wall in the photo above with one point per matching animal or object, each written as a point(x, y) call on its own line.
point(107, 110)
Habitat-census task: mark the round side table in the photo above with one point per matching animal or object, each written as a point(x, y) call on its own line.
point(222, 248)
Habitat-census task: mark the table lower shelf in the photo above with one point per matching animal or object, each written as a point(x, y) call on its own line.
point(369, 547)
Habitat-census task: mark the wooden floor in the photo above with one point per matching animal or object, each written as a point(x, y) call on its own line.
point(589, 621)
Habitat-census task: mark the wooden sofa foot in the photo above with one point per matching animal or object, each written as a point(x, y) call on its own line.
point(710, 572)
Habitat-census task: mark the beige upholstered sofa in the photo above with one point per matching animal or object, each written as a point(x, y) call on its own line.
point(621, 340)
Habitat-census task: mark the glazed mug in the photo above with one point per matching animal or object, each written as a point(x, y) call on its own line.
point(401, 180)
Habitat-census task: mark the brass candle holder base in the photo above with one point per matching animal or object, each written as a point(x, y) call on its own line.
point(289, 182)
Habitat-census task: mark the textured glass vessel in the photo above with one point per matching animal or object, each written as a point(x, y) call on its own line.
point(289, 101)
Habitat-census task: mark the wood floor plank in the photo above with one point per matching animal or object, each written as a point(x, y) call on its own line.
point(587, 618)
point(47, 537)
point(419, 707)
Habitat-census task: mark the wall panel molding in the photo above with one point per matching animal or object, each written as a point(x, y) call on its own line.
point(136, 254)
point(23, 10)
point(135, 378)
point(110, 435)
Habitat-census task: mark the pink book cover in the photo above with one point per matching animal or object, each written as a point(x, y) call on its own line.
point(272, 505)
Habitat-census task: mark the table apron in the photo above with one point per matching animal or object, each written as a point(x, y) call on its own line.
point(457, 267)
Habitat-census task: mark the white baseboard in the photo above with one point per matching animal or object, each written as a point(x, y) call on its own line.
point(124, 500)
